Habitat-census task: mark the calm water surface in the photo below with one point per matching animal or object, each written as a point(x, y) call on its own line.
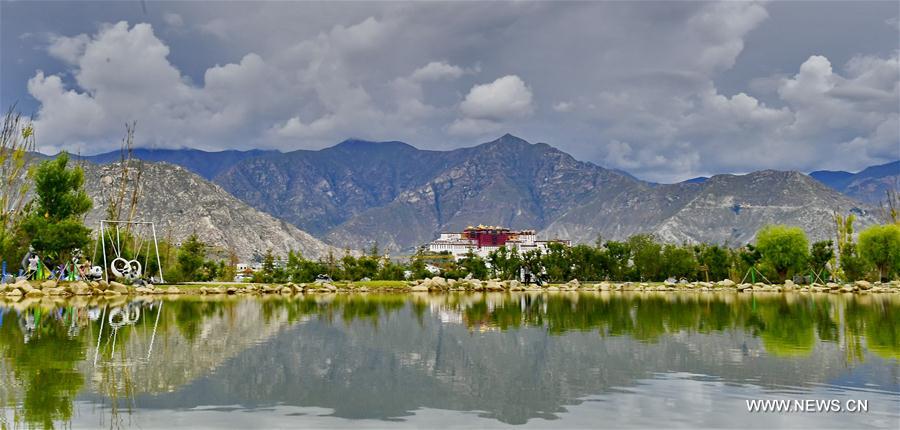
point(590, 360)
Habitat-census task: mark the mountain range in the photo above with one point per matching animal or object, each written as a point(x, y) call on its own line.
point(357, 193)
point(869, 185)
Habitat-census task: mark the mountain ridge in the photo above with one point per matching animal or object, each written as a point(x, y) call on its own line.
point(357, 193)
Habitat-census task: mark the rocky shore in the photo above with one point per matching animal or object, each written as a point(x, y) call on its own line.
point(26, 289)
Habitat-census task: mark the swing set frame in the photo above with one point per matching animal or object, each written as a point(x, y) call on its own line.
point(106, 224)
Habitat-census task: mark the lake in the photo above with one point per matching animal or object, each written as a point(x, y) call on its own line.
point(562, 360)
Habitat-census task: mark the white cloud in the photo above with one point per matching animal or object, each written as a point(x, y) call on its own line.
point(216, 27)
point(505, 98)
point(173, 19)
point(472, 127)
point(437, 70)
point(563, 106)
point(663, 89)
point(68, 49)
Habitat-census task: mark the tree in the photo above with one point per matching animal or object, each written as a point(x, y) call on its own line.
point(822, 252)
point(191, 257)
point(55, 221)
point(784, 249)
point(880, 246)
point(716, 261)
point(473, 264)
point(16, 141)
point(618, 255)
point(645, 253)
point(557, 261)
point(505, 263)
point(851, 266)
point(678, 262)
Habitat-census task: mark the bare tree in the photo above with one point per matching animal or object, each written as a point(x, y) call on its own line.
point(890, 207)
point(130, 172)
point(16, 144)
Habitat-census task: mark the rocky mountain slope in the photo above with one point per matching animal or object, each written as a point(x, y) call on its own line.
point(182, 203)
point(357, 192)
point(725, 209)
point(868, 185)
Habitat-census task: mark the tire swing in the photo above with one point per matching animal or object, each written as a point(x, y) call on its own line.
point(120, 266)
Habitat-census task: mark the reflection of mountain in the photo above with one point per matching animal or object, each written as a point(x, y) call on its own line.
point(386, 371)
point(192, 340)
point(511, 356)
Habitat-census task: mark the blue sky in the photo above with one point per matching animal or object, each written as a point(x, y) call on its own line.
point(667, 90)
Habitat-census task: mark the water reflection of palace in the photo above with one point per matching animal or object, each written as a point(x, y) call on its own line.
point(419, 350)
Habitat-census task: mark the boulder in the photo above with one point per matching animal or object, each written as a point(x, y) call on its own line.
point(58, 291)
point(118, 287)
point(513, 285)
point(439, 283)
point(173, 290)
point(863, 285)
point(421, 288)
point(143, 290)
point(574, 284)
point(15, 292)
point(789, 285)
point(80, 289)
point(34, 293)
point(233, 290)
point(725, 283)
point(50, 283)
point(286, 290)
point(493, 286)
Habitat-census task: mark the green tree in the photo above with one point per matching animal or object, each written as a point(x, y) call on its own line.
point(784, 249)
point(645, 253)
point(678, 262)
point(54, 222)
point(473, 264)
point(191, 258)
point(822, 252)
point(557, 261)
point(880, 246)
point(618, 254)
point(716, 260)
point(505, 263)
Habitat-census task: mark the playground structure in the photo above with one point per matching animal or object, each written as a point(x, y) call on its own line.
point(130, 258)
point(121, 266)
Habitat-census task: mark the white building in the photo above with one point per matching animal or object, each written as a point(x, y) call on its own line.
point(482, 240)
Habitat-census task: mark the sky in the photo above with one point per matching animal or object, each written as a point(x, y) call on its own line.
point(664, 90)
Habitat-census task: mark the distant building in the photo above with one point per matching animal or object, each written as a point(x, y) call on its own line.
point(481, 240)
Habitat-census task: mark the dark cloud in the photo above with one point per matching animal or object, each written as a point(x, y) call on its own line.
point(666, 90)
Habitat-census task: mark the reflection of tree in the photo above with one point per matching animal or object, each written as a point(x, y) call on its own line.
point(788, 329)
point(45, 368)
point(197, 335)
point(881, 324)
point(787, 325)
